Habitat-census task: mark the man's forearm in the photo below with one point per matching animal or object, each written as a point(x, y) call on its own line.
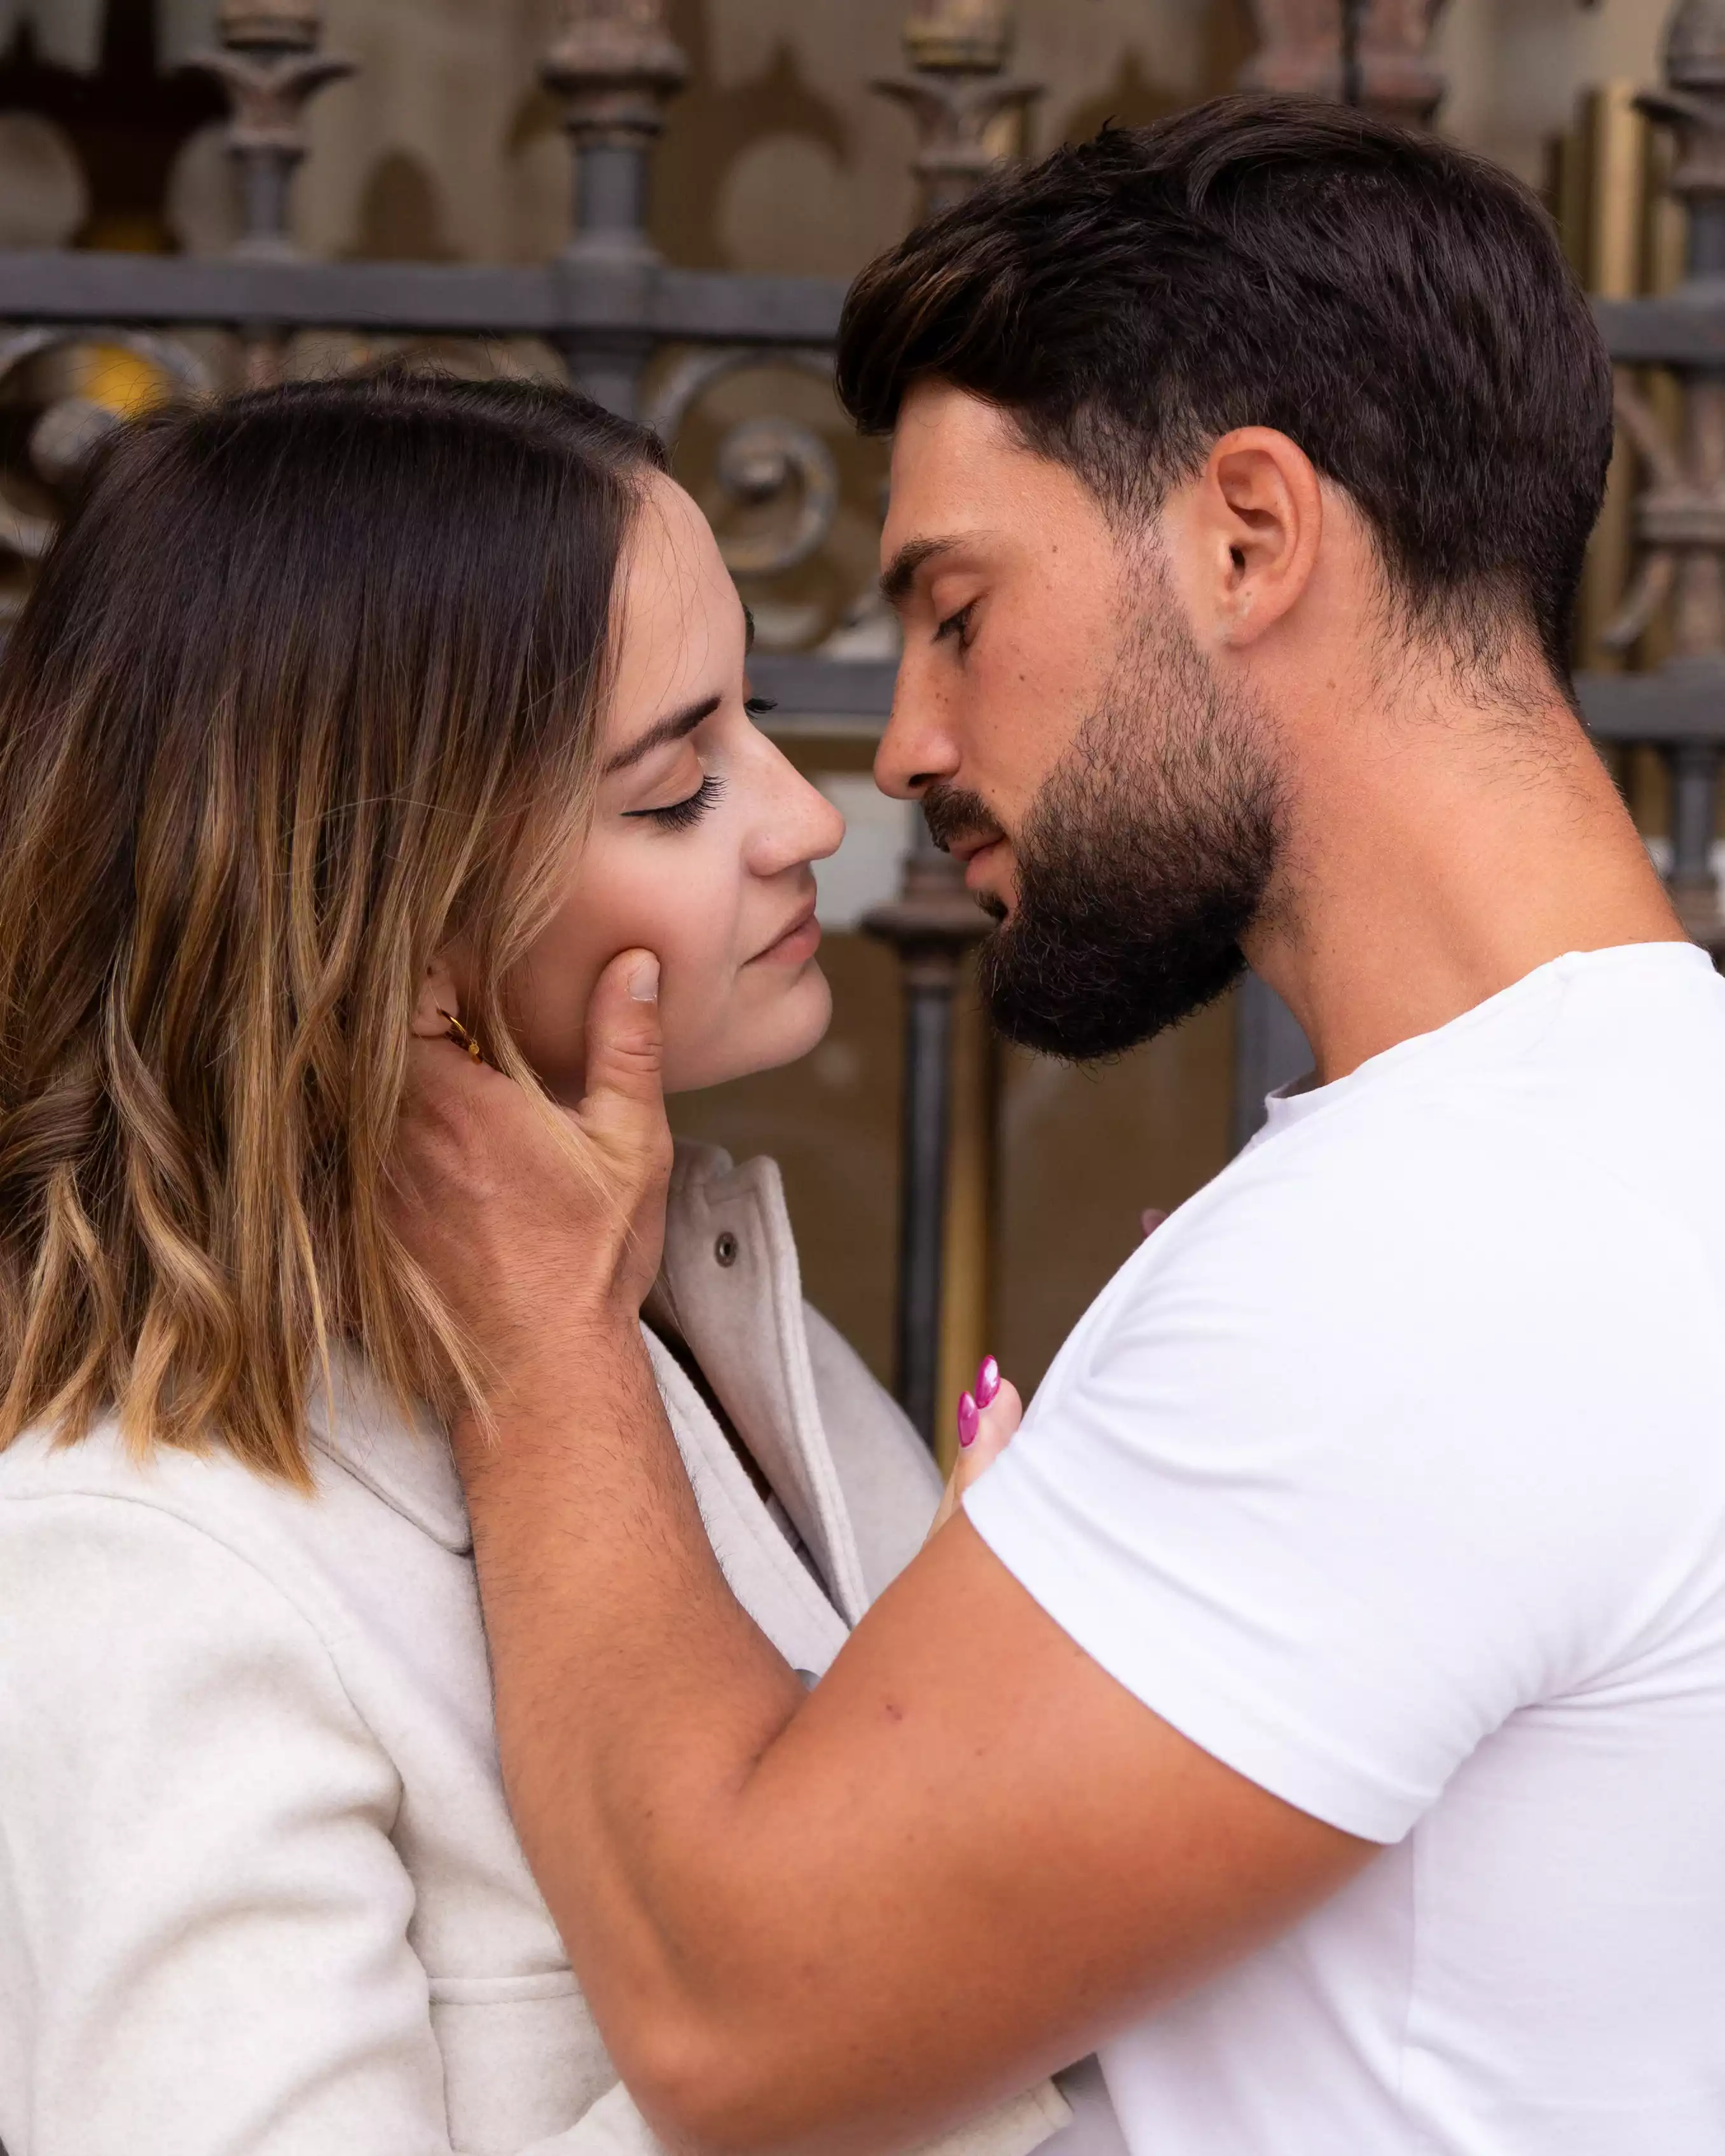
point(837, 1920)
point(634, 1694)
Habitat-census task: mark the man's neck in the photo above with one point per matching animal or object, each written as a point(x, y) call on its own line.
point(1438, 852)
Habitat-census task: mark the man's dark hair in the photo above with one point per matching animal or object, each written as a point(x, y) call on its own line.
point(1398, 307)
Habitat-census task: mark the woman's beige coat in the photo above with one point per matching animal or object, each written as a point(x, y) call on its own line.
point(259, 1894)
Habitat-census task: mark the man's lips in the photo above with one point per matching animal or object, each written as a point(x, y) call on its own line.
point(799, 940)
point(971, 843)
point(977, 855)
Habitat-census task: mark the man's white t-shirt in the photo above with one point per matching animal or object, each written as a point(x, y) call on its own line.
point(1391, 1471)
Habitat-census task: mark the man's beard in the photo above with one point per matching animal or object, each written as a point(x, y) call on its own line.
point(1145, 858)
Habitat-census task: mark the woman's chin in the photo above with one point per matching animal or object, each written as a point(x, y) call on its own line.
point(797, 1023)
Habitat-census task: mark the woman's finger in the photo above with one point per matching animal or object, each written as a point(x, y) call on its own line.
point(996, 1426)
point(987, 1420)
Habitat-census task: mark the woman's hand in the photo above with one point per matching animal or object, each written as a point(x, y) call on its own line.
point(987, 1420)
point(540, 1228)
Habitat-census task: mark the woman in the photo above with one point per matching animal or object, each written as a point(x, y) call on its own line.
point(339, 711)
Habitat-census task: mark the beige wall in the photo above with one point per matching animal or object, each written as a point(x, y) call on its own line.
point(1516, 67)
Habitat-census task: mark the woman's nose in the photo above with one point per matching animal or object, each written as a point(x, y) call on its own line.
point(801, 824)
point(824, 825)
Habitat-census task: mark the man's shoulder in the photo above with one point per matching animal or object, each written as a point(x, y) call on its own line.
point(1380, 1174)
point(1413, 1232)
point(1397, 1169)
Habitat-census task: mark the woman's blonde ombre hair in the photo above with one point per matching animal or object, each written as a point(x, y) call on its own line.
point(306, 688)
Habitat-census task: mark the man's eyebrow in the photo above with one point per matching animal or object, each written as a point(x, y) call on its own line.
point(901, 572)
point(671, 728)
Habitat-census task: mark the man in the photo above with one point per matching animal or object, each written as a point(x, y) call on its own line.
point(1320, 1706)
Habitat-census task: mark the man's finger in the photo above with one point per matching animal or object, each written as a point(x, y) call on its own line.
point(624, 1060)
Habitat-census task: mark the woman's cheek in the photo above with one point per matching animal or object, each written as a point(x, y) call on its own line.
point(694, 925)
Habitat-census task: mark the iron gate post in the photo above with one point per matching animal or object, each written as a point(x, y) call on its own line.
point(957, 94)
point(270, 67)
point(614, 66)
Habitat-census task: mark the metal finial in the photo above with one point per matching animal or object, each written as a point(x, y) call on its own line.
point(966, 37)
point(959, 49)
point(271, 69)
point(1692, 104)
point(269, 26)
point(1695, 47)
point(616, 65)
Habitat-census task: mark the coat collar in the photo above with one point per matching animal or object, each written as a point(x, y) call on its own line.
point(408, 1464)
point(731, 1285)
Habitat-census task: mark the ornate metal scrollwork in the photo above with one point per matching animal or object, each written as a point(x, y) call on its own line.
point(65, 432)
point(760, 459)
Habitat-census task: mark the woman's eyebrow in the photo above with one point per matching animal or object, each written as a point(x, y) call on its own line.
point(669, 729)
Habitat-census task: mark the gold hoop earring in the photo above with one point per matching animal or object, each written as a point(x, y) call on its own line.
point(458, 1034)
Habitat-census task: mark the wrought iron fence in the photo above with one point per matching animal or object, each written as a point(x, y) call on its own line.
point(648, 338)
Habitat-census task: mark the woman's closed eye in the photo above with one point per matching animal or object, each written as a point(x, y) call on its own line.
point(678, 815)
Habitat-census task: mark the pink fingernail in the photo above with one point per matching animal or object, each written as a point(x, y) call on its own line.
point(968, 1419)
point(988, 1380)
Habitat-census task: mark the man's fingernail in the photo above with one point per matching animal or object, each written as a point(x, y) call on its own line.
point(968, 1419)
point(643, 982)
point(988, 1380)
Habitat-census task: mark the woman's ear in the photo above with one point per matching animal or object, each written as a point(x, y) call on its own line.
point(438, 1001)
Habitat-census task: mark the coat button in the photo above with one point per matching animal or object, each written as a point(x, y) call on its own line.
point(725, 1250)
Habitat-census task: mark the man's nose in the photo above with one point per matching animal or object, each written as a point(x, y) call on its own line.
point(917, 746)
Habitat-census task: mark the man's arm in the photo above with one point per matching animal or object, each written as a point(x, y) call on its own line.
point(841, 1919)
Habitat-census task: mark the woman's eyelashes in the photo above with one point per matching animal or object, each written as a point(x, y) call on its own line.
point(678, 815)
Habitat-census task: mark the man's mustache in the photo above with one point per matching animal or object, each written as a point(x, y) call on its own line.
point(950, 814)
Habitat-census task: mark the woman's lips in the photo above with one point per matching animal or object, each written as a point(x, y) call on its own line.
point(799, 943)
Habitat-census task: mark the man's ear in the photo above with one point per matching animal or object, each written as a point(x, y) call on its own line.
point(1254, 522)
point(439, 1000)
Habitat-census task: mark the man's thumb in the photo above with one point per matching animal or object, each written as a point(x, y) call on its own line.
point(623, 1055)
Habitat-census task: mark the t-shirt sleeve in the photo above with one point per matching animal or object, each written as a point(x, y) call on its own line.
point(1333, 1477)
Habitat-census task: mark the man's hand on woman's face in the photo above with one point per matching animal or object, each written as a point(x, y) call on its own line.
point(535, 1224)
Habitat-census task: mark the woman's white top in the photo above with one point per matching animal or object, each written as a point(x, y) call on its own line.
point(259, 1894)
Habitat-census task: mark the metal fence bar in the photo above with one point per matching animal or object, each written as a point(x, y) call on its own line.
point(550, 300)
